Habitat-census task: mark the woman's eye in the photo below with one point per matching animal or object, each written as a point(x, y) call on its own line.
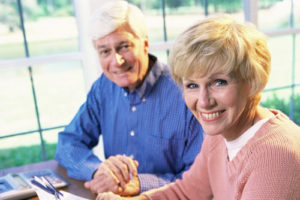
point(220, 82)
point(191, 86)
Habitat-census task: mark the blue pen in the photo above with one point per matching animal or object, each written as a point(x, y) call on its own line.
point(52, 186)
point(47, 189)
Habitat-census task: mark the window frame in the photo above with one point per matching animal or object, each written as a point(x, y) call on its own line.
point(86, 55)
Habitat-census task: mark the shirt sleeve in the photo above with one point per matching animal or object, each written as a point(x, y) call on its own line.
point(193, 143)
point(75, 142)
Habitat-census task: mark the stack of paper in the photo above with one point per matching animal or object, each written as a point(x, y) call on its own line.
point(43, 195)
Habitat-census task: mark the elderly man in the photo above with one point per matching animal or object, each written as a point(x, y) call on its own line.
point(148, 132)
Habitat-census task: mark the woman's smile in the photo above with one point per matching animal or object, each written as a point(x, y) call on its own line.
point(211, 116)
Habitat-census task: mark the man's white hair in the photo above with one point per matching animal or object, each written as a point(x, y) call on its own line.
point(115, 14)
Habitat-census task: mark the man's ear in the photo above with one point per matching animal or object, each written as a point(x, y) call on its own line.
point(146, 45)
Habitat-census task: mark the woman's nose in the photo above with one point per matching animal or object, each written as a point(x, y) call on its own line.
point(205, 99)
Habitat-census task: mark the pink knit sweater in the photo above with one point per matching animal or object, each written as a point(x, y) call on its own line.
point(267, 167)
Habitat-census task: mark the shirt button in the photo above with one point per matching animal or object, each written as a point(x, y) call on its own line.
point(132, 133)
point(125, 94)
point(133, 108)
point(144, 99)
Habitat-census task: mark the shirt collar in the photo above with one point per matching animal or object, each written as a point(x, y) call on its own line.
point(152, 76)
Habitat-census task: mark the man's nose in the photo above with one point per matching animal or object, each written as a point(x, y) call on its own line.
point(118, 59)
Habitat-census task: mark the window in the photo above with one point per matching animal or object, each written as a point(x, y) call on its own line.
point(47, 65)
point(42, 79)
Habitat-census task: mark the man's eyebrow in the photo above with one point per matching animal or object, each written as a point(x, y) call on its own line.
point(123, 42)
point(118, 44)
point(101, 46)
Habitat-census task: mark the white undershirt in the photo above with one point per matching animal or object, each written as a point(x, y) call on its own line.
point(234, 146)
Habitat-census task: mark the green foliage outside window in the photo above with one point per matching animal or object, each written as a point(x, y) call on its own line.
point(19, 156)
point(214, 5)
point(267, 3)
point(32, 11)
point(283, 105)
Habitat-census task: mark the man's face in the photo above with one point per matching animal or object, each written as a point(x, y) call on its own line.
point(124, 58)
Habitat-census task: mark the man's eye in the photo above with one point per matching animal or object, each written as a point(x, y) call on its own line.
point(103, 52)
point(191, 86)
point(220, 82)
point(124, 47)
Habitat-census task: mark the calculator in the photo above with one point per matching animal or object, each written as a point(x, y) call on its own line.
point(16, 186)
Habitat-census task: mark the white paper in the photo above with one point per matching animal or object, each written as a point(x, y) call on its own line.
point(43, 195)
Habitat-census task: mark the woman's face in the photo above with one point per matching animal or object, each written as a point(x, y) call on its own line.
point(218, 102)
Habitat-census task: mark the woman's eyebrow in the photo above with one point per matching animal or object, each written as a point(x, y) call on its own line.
point(187, 79)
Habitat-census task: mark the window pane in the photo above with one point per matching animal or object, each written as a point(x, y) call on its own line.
point(278, 99)
point(296, 8)
point(153, 16)
point(50, 28)
point(26, 149)
point(20, 150)
point(281, 52)
point(11, 39)
point(60, 90)
point(52, 31)
point(297, 105)
point(280, 12)
point(183, 14)
point(180, 15)
point(281, 99)
point(161, 55)
point(50, 138)
point(17, 107)
point(155, 27)
point(297, 59)
point(179, 22)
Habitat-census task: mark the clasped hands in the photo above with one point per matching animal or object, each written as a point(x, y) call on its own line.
point(117, 174)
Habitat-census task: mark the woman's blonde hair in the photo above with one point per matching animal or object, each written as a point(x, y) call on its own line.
point(222, 44)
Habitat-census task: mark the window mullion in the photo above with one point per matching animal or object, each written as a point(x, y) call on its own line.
point(31, 80)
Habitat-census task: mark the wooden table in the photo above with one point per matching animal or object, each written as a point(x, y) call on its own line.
point(76, 187)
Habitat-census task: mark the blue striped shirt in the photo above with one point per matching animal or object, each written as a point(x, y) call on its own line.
point(151, 123)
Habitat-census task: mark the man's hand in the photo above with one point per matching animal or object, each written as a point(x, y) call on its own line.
point(114, 175)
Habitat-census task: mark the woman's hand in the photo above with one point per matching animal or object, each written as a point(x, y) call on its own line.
point(108, 196)
point(117, 174)
point(132, 188)
point(112, 196)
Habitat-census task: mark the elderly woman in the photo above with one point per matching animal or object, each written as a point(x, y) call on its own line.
point(250, 152)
